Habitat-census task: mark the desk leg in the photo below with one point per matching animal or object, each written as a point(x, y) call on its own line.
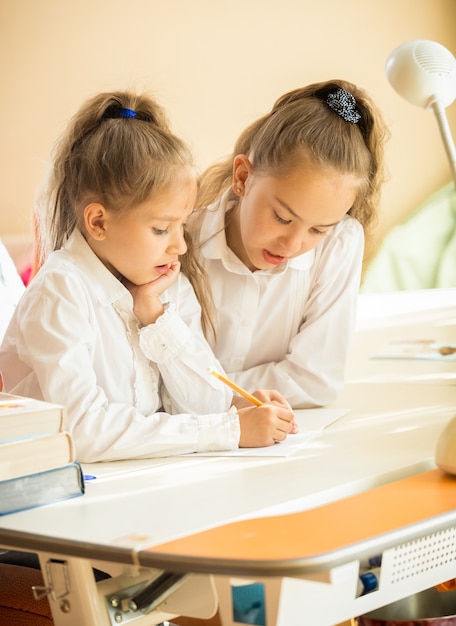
point(70, 586)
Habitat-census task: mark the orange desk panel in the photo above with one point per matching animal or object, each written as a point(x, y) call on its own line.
point(299, 543)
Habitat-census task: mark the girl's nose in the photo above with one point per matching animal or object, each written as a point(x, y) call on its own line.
point(294, 243)
point(178, 244)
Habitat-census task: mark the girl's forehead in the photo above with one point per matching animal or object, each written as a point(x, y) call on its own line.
point(305, 191)
point(172, 203)
point(305, 173)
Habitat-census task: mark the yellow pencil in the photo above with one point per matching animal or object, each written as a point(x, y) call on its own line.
point(240, 391)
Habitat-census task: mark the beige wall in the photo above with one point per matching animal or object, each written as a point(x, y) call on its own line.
point(215, 65)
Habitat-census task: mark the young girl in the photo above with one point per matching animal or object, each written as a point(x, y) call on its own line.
point(94, 330)
point(283, 240)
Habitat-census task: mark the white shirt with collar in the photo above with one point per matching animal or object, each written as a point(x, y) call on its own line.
point(288, 328)
point(74, 340)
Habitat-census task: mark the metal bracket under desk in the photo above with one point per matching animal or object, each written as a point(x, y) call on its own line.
point(76, 598)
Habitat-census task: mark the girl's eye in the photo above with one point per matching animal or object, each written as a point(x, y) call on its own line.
point(319, 232)
point(159, 231)
point(280, 219)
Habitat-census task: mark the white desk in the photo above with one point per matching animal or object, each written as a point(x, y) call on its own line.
point(430, 314)
point(141, 515)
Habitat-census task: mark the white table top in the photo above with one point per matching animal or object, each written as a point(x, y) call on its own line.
point(403, 315)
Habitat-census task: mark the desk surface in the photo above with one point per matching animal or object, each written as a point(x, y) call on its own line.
point(390, 433)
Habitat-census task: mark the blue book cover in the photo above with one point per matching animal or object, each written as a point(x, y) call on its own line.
point(40, 488)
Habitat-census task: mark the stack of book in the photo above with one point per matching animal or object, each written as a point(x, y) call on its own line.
point(37, 457)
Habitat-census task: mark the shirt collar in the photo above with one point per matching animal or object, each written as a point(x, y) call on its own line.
point(216, 246)
point(108, 287)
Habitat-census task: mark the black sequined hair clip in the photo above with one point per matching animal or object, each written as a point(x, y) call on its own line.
point(344, 104)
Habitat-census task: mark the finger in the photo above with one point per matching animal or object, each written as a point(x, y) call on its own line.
point(271, 396)
point(174, 266)
point(261, 395)
point(286, 415)
point(280, 435)
point(287, 426)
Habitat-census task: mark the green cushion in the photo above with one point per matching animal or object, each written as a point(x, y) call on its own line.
point(419, 253)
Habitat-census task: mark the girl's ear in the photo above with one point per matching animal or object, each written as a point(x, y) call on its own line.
point(95, 221)
point(242, 168)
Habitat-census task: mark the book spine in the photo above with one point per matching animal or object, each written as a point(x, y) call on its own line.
point(33, 490)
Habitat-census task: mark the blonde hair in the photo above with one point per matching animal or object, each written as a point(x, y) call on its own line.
point(117, 150)
point(301, 127)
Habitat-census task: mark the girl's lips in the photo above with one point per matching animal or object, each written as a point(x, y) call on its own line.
point(274, 259)
point(162, 269)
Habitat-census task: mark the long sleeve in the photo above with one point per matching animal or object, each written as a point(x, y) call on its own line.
point(184, 360)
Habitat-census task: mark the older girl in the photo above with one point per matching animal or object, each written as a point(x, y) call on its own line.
point(284, 236)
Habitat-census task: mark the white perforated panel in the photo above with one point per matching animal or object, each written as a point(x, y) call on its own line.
point(419, 557)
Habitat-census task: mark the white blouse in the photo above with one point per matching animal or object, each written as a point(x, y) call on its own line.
point(288, 328)
point(130, 391)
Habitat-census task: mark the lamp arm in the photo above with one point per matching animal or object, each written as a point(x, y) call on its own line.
point(447, 138)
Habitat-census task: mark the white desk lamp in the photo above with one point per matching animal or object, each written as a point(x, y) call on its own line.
point(423, 72)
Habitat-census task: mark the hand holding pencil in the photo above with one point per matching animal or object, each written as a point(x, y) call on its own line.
point(268, 422)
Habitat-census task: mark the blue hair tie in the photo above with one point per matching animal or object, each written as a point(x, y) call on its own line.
point(127, 113)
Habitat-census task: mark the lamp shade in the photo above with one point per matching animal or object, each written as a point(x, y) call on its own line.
point(423, 72)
